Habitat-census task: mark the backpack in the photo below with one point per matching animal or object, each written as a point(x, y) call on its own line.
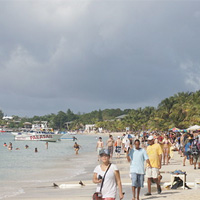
point(178, 183)
point(195, 150)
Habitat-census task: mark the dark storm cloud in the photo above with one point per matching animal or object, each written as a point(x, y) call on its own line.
point(88, 55)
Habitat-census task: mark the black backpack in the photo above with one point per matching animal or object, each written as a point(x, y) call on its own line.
point(178, 183)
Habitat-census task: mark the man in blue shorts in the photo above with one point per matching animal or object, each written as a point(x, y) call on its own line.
point(136, 157)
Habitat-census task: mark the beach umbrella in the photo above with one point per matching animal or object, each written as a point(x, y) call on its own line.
point(193, 128)
point(174, 129)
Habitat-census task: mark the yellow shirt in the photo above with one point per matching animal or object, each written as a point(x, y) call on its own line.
point(153, 151)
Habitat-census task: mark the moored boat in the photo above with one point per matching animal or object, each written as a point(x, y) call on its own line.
point(38, 132)
point(38, 136)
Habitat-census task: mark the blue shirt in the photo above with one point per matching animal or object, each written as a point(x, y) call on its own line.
point(187, 147)
point(137, 160)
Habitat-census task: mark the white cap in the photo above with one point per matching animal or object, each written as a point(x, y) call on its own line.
point(150, 137)
point(118, 136)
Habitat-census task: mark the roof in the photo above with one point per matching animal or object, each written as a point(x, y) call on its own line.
point(121, 116)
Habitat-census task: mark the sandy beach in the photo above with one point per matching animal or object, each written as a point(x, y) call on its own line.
point(71, 189)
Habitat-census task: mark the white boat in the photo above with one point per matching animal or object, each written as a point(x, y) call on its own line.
point(38, 136)
point(38, 133)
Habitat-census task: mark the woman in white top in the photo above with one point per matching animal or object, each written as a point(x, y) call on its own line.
point(112, 178)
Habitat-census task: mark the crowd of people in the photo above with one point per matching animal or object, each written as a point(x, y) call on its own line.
point(146, 152)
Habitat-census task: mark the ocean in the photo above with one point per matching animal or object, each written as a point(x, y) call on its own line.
point(22, 168)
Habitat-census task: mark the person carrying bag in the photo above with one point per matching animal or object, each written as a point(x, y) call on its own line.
point(107, 177)
point(98, 195)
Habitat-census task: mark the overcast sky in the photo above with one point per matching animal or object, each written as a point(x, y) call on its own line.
point(95, 54)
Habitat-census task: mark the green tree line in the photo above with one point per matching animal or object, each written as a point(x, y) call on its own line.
point(180, 110)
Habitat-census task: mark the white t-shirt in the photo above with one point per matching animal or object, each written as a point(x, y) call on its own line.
point(109, 186)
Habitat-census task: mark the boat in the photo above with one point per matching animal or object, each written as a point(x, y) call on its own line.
point(2, 131)
point(37, 136)
point(37, 133)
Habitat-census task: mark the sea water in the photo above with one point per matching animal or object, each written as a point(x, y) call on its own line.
point(21, 167)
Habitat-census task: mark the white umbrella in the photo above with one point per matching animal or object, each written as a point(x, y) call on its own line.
point(193, 128)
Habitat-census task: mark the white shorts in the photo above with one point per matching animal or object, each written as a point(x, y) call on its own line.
point(152, 172)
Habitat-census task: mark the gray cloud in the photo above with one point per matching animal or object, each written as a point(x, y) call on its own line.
point(87, 55)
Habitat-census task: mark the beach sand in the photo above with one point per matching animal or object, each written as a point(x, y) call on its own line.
point(74, 191)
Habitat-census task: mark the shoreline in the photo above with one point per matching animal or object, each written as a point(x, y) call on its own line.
point(73, 191)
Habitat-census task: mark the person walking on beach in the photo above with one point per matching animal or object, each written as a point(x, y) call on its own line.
point(154, 152)
point(187, 150)
point(99, 146)
point(136, 157)
point(166, 149)
point(118, 146)
point(111, 180)
point(123, 141)
point(76, 148)
point(110, 144)
point(195, 149)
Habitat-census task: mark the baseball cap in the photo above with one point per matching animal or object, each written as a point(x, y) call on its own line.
point(103, 152)
point(150, 137)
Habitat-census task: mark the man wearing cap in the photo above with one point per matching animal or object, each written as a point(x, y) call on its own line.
point(154, 151)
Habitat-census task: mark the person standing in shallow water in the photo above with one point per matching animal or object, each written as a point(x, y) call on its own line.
point(47, 145)
point(10, 147)
point(76, 148)
point(112, 178)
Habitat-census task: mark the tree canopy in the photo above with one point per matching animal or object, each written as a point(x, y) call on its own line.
point(180, 110)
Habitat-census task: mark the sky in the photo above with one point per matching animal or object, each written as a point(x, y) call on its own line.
point(87, 55)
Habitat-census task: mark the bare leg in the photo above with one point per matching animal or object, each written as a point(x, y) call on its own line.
point(158, 185)
point(167, 155)
point(191, 160)
point(138, 193)
point(184, 159)
point(157, 182)
point(149, 184)
point(195, 165)
point(164, 156)
point(133, 190)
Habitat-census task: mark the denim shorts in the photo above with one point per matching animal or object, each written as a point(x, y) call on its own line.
point(137, 180)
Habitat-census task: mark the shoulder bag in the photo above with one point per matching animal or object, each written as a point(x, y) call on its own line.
point(98, 195)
